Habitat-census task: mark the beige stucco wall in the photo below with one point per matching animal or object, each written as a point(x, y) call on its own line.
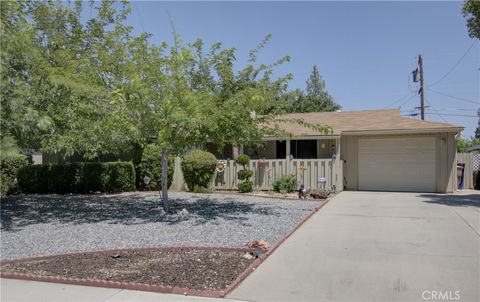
point(445, 162)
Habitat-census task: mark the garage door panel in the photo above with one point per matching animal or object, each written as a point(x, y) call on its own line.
point(397, 164)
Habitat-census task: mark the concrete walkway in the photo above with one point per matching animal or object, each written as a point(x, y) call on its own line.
point(31, 291)
point(377, 246)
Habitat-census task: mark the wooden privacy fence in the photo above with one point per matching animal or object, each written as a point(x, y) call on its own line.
point(468, 159)
point(265, 172)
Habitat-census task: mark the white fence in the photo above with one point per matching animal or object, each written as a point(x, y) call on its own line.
point(267, 171)
point(469, 159)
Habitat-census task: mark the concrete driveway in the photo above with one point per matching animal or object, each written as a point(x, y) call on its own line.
point(377, 246)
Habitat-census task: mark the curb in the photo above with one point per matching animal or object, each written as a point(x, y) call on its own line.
point(270, 251)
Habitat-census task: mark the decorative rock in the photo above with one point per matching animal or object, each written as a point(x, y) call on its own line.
point(258, 244)
point(247, 256)
point(319, 193)
point(183, 212)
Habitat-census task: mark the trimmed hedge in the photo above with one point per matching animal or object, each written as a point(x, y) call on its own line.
point(108, 177)
point(151, 166)
point(198, 169)
point(8, 172)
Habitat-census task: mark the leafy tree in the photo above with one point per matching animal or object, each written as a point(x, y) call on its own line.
point(92, 88)
point(471, 11)
point(57, 75)
point(464, 143)
point(316, 98)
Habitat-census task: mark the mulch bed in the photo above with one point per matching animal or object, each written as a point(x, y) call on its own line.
point(201, 269)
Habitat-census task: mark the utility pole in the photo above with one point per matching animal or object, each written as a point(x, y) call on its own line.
point(422, 97)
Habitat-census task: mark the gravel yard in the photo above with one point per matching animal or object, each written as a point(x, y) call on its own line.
point(36, 225)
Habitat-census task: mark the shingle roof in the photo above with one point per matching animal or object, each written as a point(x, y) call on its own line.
point(355, 121)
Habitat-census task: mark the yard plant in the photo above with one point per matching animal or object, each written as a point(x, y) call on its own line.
point(150, 167)
point(108, 177)
point(198, 169)
point(285, 184)
point(244, 175)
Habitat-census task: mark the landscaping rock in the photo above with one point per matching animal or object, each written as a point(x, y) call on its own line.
point(183, 212)
point(258, 244)
point(247, 256)
point(319, 193)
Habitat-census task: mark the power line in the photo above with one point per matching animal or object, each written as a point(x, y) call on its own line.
point(453, 97)
point(408, 100)
point(398, 100)
point(453, 68)
point(436, 111)
point(451, 114)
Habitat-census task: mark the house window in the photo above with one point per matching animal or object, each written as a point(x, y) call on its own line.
point(281, 149)
point(303, 149)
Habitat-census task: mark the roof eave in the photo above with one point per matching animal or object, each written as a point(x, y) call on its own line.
point(404, 131)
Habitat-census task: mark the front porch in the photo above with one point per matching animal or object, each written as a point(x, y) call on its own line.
point(311, 160)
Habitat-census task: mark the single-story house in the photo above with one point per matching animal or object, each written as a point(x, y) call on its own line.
point(475, 148)
point(380, 149)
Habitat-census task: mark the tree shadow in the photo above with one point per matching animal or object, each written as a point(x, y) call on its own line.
point(471, 200)
point(21, 211)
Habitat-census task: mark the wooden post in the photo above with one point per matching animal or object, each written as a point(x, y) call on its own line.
point(422, 96)
point(287, 155)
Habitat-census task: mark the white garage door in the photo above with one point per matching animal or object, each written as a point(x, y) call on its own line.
point(397, 164)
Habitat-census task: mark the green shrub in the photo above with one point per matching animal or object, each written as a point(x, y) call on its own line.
point(286, 183)
point(246, 185)
point(66, 180)
point(151, 166)
point(198, 169)
point(242, 159)
point(8, 173)
point(118, 177)
point(244, 174)
point(77, 178)
point(91, 180)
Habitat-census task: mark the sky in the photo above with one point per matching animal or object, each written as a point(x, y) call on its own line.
point(365, 51)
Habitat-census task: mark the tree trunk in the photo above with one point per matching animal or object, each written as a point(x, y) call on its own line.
point(164, 182)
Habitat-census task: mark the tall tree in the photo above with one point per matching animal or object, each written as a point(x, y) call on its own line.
point(91, 88)
point(183, 97)
point(316, 98)
point(471, 11)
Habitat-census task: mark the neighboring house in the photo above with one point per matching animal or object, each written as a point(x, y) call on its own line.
point(475, 148)
point(380, 149)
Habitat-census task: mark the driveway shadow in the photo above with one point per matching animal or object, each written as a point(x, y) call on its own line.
point(472, 200)
point(20, 211)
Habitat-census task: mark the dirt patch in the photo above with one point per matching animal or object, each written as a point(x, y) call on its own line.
point(199, 269)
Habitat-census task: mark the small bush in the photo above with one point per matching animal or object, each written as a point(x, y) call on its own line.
point(242, 159)
point(77, 178)
point(8, 173)
point(198, 169)
point(246, 185)
point(286, 183)
point(118, 177)
point(151, 166)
